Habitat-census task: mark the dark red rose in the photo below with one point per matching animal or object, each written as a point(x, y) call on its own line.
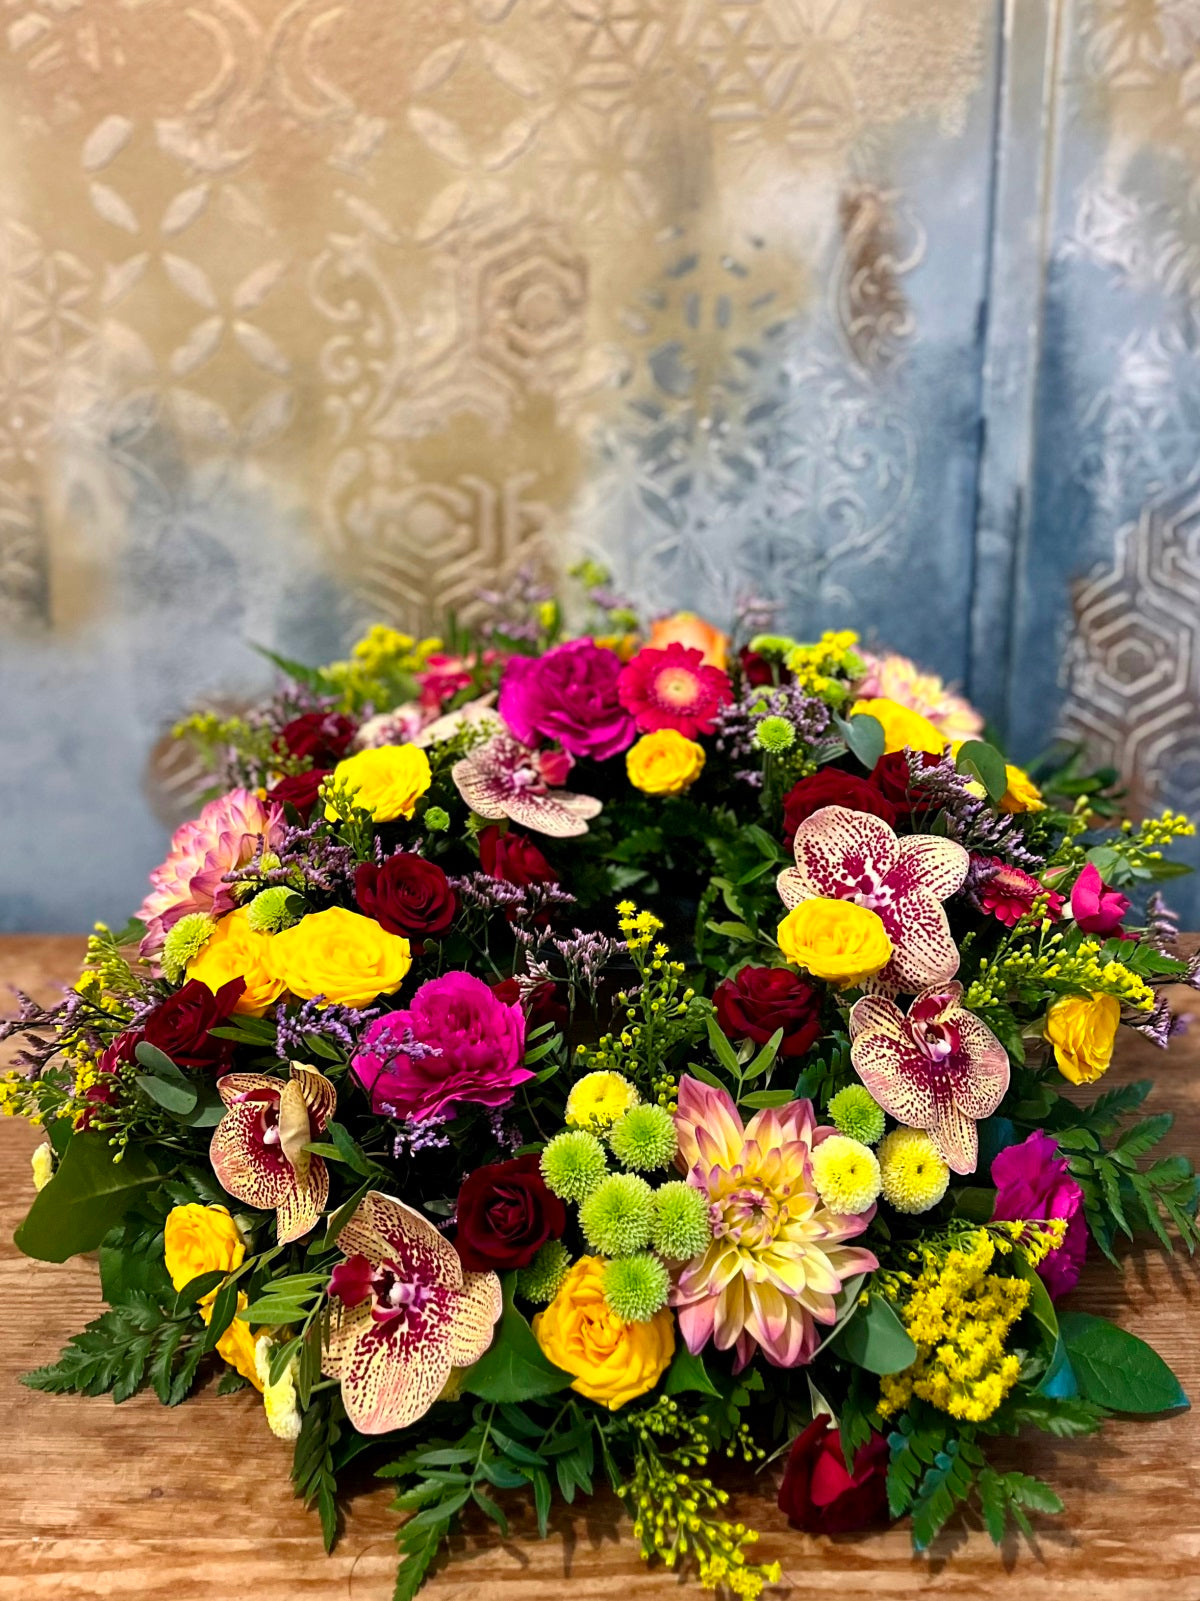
point(103, 1090)
point(756, 669)
point(323, 737)
point(759, 1000)
point(407, 895)
point(890, 776)
point(544, 1004)
point(513, 858)
point(505, 1215)
point(829, 786)
point(300, 789)
point(820, 1497)
point(180, 1026)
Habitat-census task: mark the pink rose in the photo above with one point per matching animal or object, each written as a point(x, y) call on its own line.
point(1097, 910)
point(1033, 1181)
point(568, 695)
point(455, 1042)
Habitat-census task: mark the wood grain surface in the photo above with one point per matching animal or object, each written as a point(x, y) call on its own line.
point(138, 1503)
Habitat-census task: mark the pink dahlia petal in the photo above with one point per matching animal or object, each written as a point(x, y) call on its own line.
point(701, 1106)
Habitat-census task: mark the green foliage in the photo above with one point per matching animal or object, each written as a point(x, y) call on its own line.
point(92, 1188)
point(823, 1077)
point(982, 761)
point(1117, 1370)
point(513, 1368)
point(874, 1338)
point(314, 1473)
point(123, 1349)
point(1007, 1497)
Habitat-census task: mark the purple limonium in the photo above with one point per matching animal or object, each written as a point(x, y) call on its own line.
point(568, 695)
point(1034, 1182)
point(454, 1043)
point(340, 1025)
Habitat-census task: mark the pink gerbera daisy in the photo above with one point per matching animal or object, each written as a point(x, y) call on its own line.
point(673, 688)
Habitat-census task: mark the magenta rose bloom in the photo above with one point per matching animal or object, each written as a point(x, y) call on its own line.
point(455, 1042)
point(1095, 908)
point(759, 1000)
point(568, 695)
point(1033, 1181)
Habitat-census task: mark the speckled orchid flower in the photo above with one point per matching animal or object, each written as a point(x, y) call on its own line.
point(257, 1148)
point(778, 1256)
point(940, 1068)
point(502, 778)
point(853, 856)
point(409, 1315)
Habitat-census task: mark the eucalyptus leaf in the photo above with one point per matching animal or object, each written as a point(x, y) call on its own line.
point(876, 1339)
point(977, 759)
point(179, 1099)
point(864, 737)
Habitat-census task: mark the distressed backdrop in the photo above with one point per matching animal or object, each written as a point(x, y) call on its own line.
point(314, 313)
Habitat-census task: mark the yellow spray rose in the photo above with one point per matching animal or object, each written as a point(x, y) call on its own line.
point(234, 950)
point(902, 727)
point(387, 782)
point(664, 763)
point(205, 1239)
point(835, 940)
point(1022, 794)
point(340, 955)
point(1082, 1029)
point(613, 1362)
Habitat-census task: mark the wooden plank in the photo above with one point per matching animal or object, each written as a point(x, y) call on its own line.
point(138, 1503)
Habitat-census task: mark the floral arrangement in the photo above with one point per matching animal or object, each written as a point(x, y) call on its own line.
point(556, 1054)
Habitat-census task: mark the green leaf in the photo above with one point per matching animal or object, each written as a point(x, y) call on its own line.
point(177, 1098)
point(760, 1098)
point(513, 1368)
point(982, 761)
point(89, 1193)
point(541, 1502)
point(418, 1547)
point(1116, 1369)
point(687, 1372)
point(349, 1151)
point(722, 1049)
point(765, 1058)
point(876, 1339)
point(864, 737)
point(158, 1062)
point(1040, 1306)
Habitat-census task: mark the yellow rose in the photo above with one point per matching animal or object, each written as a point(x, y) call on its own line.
point(340, 955)
point(835, 940)
point(902, 727)
point(664, 763)
point(612, 1361)
point(200, 1239)
point(1082, 1029)
point(387, 782)
point(205, 1239)
point(234, 950)
point(236, 1345)
point(1022, 794)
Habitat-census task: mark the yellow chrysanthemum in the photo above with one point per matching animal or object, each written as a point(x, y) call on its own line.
point(846, 1174)
point(913, 1175)
point(597, 1100)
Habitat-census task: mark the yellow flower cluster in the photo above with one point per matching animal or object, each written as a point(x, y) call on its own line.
point(1156, 831)
point(821, 668)
point(639, 928)
point(959, 1315)
point(381, 654)
point(672, 1509)
point(598, 1099)
point(1080, 969)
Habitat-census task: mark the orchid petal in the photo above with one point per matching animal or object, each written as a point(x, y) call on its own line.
point(477, 1309)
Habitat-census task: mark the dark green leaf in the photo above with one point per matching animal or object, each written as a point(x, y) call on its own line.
point(514, 1367)
point(88, 1194)
point(688, 1373)
point(1116, 1369)
point(876, 1339)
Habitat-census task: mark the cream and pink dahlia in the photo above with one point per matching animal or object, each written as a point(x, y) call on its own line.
point(409, 1314)
point(940, 1068)
point(844, 855)
point(224, 837)
point(778, 1256)
point(895, 677)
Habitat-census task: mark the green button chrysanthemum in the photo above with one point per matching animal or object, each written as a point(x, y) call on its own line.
point(617, 1215)
point(573, 1164)
point(540, 1281)
point(681, 1227)
point(185, 940)
point(635, 1287)
point(644, 1138)
point(855, 1112)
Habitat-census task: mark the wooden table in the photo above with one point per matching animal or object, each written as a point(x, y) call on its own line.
point(138, 1502)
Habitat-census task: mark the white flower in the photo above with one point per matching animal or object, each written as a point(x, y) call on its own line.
point(279, 1399)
